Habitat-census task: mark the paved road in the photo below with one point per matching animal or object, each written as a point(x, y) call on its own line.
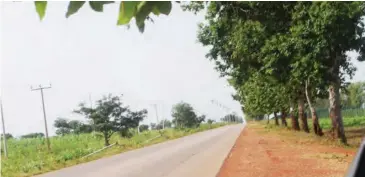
point(200, 154)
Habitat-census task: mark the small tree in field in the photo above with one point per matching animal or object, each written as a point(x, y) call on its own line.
point(184, 116)
point(210, 121)
point(110, 116)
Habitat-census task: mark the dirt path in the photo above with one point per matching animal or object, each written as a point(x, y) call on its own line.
point(269, 155)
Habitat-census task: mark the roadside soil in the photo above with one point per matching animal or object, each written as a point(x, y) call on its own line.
point(258, 154)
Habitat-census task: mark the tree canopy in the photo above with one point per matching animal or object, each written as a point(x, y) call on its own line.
point(184, 116)
point(281, 55)
point(110, 116)
point(65, 126)
point(33, 135)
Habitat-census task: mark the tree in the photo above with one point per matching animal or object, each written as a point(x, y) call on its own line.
point(164, 123)
point(210, 121)
point(131, 120)
point(355, 95)
point(335, 27)
point(153, 126)
point(74, 126)
point(33, 135)
point(184, 116)
point(139, 10)
point(110, 116)
point(232, 118)
point(143, 128)
point(62, 126)
point(7, 136)
point(290, 43)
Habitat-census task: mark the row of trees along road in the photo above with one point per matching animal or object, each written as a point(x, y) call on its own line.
point(278, 55)
point(282, 55)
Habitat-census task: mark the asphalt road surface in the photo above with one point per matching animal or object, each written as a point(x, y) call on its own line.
point(197, 155)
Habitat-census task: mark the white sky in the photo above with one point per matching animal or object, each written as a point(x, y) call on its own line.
point(88, 53)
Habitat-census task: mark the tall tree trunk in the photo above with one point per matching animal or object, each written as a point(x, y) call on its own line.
point(276, 118)
point(335, 113)
point(302, 117)
point(106, 139)
point(268, 119)
point(316, 127)
point(294, 120)
point(283, 118)
point(335, 102)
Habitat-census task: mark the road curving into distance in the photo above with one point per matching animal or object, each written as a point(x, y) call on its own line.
point(200, 154)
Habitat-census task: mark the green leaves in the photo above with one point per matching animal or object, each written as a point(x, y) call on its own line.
point(41, 7)
point(141, 11)
point(73, 7)
point(163, 7)
point(98, 6)
point(127, 10)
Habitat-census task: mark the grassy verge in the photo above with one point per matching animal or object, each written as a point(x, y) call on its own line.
point(354, 130)
point(28, 157)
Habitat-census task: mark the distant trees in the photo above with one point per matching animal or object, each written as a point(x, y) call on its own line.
point(33, 135)
point(162, 124)
point(165, 123)
point(7, 136)
point(153, 126)
point(110, 116)
point(143, 127)
point(184, 116)
point(74, 126)
point(232, 118)
point(354, 95)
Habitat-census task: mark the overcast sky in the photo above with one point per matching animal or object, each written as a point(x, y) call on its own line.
point(89, 54)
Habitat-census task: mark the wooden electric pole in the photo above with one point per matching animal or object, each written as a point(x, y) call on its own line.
point(44, 112)
point(4, 133)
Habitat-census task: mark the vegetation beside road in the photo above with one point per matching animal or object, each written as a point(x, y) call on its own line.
point(354, 129)
point(28, 157)
point(110, 124)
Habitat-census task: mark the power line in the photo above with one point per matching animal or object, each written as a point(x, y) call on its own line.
point(4, 134)
point(44, 111)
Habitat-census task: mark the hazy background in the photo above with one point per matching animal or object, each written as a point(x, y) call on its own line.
point(89, 54)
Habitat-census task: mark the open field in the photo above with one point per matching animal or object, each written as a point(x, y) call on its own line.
point(30, 156)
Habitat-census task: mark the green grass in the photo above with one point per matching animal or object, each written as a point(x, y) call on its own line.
point(354, 130)
point(28, 157)
point(347, 122)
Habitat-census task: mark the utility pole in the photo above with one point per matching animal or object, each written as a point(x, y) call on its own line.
point(163, 120)
point(155, 106)
point(44, 111)
point(4, 134)
point(91, 107)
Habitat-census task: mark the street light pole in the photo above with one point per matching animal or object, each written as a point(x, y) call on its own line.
point(4, 133)
point(44, 112)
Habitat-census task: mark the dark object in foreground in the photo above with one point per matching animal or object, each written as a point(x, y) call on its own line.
point(357, 168)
